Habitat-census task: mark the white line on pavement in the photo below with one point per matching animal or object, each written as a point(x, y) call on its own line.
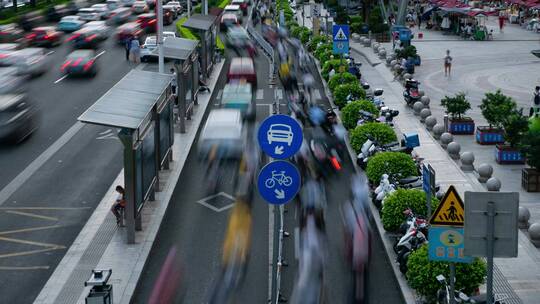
point(60, 79)
point(101, 53)
point(20, 179)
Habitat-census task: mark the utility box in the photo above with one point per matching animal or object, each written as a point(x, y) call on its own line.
point(411, 140)
point(101, 292)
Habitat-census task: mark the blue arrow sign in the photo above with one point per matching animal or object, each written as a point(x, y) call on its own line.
point(280, 136)
point(278, 182)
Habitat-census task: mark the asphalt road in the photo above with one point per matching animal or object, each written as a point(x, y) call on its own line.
point(51, 183)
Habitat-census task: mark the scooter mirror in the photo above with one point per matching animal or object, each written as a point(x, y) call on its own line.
point(463, 297)
point(365, 86)
point(378, 92)
point(441, 278)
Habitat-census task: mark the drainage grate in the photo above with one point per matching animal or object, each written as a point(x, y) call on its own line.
point(74, 286)
point(502, 289)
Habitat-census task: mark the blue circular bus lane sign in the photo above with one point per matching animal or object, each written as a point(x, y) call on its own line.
point(280, 136)
point(279, 181)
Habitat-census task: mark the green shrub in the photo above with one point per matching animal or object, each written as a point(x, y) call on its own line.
point(395, 164)
point(291, 23)
point(381, 132)
point(355, 19)
point(220, 45)
point(322, 49)
point(223, 3)
point(350, 115)
point(392, 210)
point(343, 91)
point(406, 52)
point(341, 78)
point(422, 273)
point(295, 31)
point(356, 27)
point(335, 64)
point(312, 45)
point(304, 35)
point(185, 32)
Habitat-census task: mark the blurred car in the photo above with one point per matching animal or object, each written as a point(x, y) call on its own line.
point(239, 95)
point(177, 6)
point(29, 61)
point(171, 9)
point(147, 49)
point(228, 20)
point(140, 7)
point(224, 129)
point(70, 24)
point(80, 63)
point(85, 39)
point(242, 67)
point(18, 117)
point(243, 5)
point(119, 15)
point(237, 37)
point(129, 30)
point(100, 28)
point(10, 81)
point(151, 3)
point(148, 22)
point(44, 36)
point(55, 13)
point(88, 14)
point(11, 33)
point(234, 9)
point(31, 20)
point(127, 2)
point(103, 10)
point(168, 16)
point(113, 4)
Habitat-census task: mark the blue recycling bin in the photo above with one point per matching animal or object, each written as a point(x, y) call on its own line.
point(411, 140)
point(405, 34)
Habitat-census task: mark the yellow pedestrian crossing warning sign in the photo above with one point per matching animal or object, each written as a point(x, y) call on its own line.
point(451, 211)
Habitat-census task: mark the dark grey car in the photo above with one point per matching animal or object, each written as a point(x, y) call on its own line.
point(18, 118)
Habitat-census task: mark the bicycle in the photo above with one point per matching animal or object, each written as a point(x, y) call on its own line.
point(280, 178)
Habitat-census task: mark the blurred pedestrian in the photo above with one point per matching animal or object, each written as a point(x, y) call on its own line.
point(127, 46)
point(135, 50)
point(119, 204)
point(447, 63)
point(502, 17)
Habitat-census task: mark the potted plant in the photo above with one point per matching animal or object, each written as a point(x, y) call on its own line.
point(515, 125)
point(457, 106)
point(495, 107)
point(530, 177)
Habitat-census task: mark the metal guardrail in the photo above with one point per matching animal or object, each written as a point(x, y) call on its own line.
point(265, 46)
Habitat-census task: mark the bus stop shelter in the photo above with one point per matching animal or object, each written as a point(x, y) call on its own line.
point(140, 106)
point(185, 56)
point(206, 28)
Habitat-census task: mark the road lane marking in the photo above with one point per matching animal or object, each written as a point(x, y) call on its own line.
point(50, 218)
point(101, 53)
point(49, 53)
point(24, 267)
point(60, 79)
point(43, 208)
point(18, 254)
point(20, 179)
point(26, 242)
point(29, 229)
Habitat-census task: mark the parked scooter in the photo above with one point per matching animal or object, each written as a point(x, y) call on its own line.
point(443, 295)
point(371, 146)
point(411, 94)
point(414, 237)
point(382, 191)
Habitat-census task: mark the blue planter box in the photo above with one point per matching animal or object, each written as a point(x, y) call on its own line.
point(507, 155)
point(465, 127)
point(486, 136)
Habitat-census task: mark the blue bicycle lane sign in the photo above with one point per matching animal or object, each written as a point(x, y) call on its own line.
point(280, 136)
point(278, 182)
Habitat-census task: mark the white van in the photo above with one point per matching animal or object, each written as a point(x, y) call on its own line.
point(224, 128)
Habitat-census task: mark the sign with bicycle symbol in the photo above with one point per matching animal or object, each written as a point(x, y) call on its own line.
point(278, 182)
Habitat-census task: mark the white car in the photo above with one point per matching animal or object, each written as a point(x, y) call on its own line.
point(89, 14)
point(150, 45)
point(30, 61)
point(224, 128)
point(140, 7)
point(100, 28)
point(113, 4)
point(234, 9)
point(176, 6)
point(280, 133)
point(102, 9)
point(168, 34)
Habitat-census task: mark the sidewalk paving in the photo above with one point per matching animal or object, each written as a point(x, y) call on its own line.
point(101, 245)
point(521, 275)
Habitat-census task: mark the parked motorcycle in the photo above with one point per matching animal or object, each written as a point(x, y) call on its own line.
point(371, 146)
point(414, 237)
point(383, 190)
point(411, 94)
point(443, 295)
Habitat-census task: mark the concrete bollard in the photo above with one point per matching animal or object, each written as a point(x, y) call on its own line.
point(424, 113)
point(389, 61)
point(453, 149)
point(376, 49)
point(467, 161)
point(421, 93)
point(484, 172)
point(431, 121)
point(534, 234)
point(425, 100)
point(493, 184)
point(438, 130)
point(355, 37)
point(407, 76)
point(382, 54)
point(446, 138)
point(523, 217)
point(393, 63)
point(396, 67)
point(417, 107)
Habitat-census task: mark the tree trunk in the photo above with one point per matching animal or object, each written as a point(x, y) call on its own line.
point(15, 5)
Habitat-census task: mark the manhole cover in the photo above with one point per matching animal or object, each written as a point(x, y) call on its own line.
point(218, 202)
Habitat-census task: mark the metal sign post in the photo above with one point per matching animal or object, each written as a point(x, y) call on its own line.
point(428, 185)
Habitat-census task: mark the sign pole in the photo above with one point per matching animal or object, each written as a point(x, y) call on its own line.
point(490, 246)
point(428, 202)
point(452, 283)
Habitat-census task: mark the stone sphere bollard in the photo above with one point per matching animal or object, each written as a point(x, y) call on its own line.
point(376, 49)
point(374, 45)
point(523, 218)
point(382, 54)
point(425, 100)
point(355, 37)
point(493, 184)
point(534, 234)
point(431, 121)
point(393, 63)
point(407, 76)
point(467, 161)
point(484, 172)
point(421, 93)
point(417, 107)
point(453, 149)
point(446, 138)
point(388, 60)
point(424, 113)
point(438, 130)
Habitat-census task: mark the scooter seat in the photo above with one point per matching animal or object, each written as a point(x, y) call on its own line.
point(408, 180)
point(390, 145)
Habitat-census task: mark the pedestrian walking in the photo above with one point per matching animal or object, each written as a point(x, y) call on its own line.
point(127, 46)
point(135, 50)
point(447, 63)
point(502, 17)
point(119, 204)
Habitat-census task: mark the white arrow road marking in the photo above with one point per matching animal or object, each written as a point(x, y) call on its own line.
point(278, 150)
point(280, 194)
point(60, 79)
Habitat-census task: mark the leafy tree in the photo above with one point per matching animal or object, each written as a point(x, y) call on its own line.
point(530, 146)
point(456, 106)
point(515, 125)
point(495, 107)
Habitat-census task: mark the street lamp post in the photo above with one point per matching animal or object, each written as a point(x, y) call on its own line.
point(161, 56)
